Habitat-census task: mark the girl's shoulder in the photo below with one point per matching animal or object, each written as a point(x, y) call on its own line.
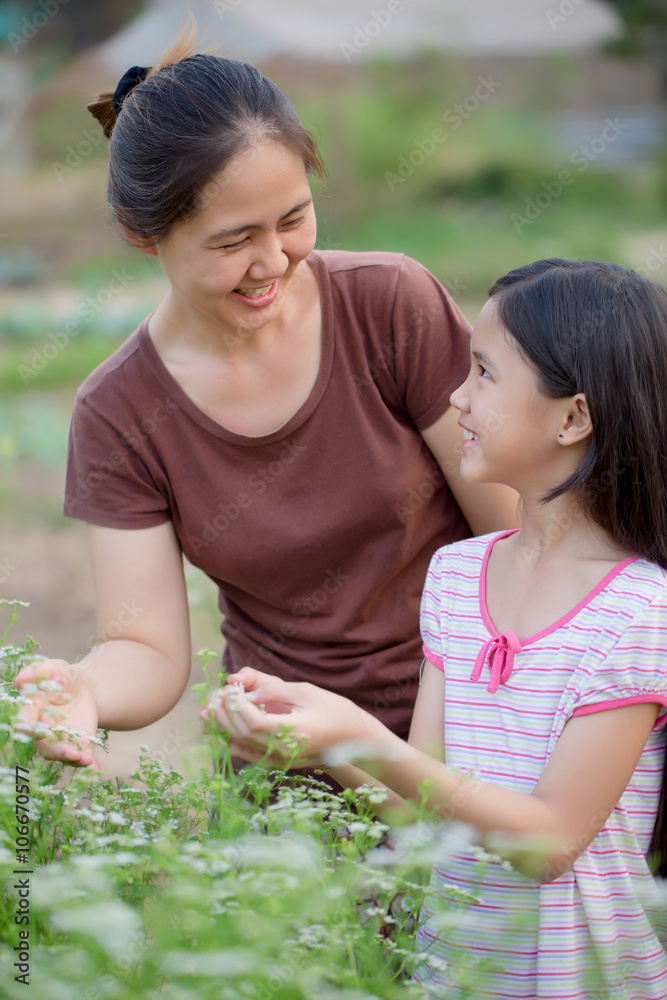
point(640, 584)
point(465, 558)
point(470, 549)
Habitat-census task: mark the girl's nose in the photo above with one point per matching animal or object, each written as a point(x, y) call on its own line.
point(459, 398)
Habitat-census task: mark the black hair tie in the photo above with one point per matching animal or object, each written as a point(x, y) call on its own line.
point(135, 75)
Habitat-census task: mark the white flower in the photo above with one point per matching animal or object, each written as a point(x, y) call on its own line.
point(118, 818)
point(47, 686)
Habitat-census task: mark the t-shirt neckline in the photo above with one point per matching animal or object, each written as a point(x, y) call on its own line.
point(486, 618)
point(302, 414)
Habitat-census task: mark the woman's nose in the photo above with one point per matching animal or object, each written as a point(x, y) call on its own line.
point(271, 261)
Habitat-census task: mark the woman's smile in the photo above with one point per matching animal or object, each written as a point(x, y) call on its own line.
point(257, 298)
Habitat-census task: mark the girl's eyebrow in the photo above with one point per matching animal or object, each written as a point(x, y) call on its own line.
point(221, 233)
point(483, 358)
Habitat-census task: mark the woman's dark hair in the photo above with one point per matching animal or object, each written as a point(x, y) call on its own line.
point(601, 329)
point(178, 129)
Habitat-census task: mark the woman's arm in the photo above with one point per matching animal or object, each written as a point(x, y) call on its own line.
point(541, 833)
point(485, 506)
point(141, 665)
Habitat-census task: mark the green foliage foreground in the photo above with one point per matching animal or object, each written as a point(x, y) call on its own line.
point(226, 886)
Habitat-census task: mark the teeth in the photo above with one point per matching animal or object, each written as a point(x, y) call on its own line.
point(469, 436)
point(254, 293)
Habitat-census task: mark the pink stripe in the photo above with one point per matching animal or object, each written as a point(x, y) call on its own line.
point(639, 699)
point(432, 658)
point(561, 621)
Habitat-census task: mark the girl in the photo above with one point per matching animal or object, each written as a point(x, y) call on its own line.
point(539, 716)
point(282, 419)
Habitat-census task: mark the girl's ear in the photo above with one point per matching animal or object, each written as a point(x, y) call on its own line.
point(576, 425)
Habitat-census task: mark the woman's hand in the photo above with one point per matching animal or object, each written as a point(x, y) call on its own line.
point(71, 705)
point(298, 722)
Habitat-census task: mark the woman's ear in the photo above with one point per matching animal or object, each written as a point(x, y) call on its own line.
point(135, 241)
point(576, 424)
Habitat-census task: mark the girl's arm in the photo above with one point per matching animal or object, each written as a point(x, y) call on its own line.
point(542, 833)
point(426, 734)
point(486, 507)
point(141, 665)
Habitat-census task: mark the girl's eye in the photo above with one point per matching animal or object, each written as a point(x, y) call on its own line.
point(293, 222)
point(482, 371)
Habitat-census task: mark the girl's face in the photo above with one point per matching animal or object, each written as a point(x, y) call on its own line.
point(233, 261)
point(515, 432)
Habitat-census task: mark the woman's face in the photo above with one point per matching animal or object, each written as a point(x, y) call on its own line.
point(233, 261)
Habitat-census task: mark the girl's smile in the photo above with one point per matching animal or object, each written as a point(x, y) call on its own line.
point(513, 433)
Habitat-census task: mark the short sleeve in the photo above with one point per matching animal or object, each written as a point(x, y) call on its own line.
point(107, 482)
point(431, 343)
point(635, 669)
point(430, 616)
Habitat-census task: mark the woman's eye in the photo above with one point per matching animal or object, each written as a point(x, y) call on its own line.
point(234, 246)
point(292, 222)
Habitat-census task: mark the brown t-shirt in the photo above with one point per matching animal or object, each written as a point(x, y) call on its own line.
point(318, 535)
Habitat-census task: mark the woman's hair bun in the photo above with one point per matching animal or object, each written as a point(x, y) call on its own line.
point(102, 110)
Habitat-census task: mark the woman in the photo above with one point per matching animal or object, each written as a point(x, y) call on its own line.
point(282, 419)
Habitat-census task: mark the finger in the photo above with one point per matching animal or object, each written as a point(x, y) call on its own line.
point(278, 697)
point(33, 674)
point(67, 753)
point(27, 717)
point(250, 678)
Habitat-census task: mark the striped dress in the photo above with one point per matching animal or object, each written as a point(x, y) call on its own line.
point(594, 932)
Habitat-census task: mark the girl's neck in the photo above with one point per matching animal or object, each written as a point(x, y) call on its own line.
point(559, 531)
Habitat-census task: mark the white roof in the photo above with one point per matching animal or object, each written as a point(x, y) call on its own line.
point(347, 31)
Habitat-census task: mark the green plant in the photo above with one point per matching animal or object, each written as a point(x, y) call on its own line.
point(223, 885)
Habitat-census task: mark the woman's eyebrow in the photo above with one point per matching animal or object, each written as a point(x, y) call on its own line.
point(221, 233)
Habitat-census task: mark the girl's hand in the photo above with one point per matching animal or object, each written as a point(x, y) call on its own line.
point(71, 706)
point(298, 722)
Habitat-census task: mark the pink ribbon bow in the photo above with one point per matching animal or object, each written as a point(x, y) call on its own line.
point(500, 652)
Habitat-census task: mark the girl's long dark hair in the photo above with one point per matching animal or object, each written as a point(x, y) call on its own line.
point(600, 329)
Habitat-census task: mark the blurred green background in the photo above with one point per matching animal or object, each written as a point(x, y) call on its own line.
point(474, 136)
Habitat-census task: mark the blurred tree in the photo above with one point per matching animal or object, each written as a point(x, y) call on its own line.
point(645, 23)
point(66, 27)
